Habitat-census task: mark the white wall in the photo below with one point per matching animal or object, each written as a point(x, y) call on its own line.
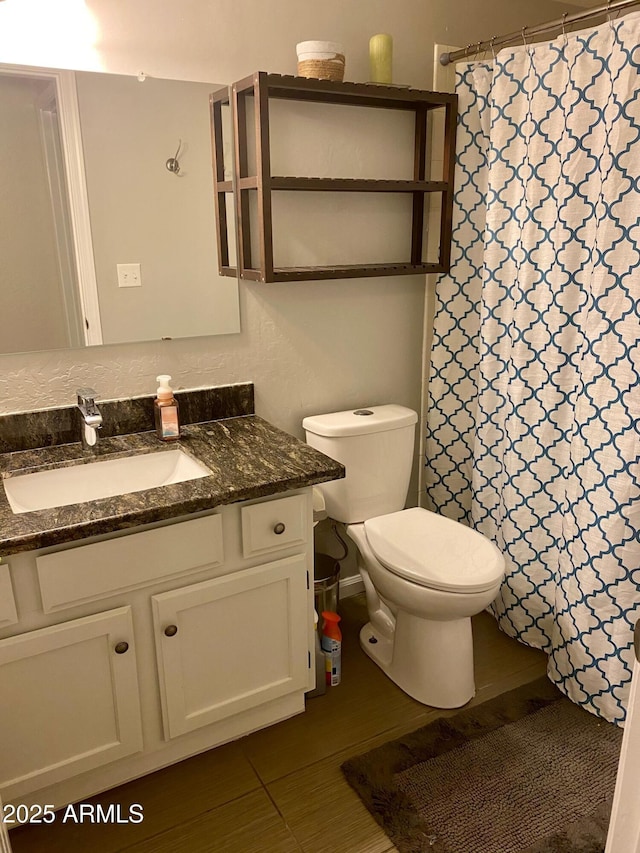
point(309, 347)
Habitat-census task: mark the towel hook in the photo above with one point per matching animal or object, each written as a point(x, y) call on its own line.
point(172, 163)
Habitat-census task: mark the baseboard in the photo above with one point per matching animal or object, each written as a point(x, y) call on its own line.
point(351, 586)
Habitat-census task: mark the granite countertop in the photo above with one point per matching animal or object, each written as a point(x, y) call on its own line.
point(248, 458)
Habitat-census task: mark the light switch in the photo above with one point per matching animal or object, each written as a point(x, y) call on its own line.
point(129, 275)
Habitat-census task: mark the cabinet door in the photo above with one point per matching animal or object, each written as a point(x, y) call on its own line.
point(5, 846)
point(8, 615)
point(231, 644)
point(70, 700)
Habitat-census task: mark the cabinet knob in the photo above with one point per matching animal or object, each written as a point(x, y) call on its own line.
point(279, 528)
point(121, 648)
point(171, 630)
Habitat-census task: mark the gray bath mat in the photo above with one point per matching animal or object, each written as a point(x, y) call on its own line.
point(527, 772)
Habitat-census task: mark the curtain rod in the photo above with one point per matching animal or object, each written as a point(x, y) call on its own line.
point(559, 23)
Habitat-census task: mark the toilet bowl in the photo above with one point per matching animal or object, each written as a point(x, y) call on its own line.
point(424, 575)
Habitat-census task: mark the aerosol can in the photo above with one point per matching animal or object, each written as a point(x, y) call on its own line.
point(332, 646)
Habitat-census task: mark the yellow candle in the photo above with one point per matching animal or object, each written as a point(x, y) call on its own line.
point(380, 56)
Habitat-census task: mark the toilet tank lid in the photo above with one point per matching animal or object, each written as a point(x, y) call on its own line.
point(361, 421)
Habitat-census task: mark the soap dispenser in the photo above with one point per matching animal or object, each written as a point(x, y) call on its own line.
point(166, 411)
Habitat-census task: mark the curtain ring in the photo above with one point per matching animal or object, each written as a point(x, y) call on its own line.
point(524, 40)
point(491, 45)
point(564, 29)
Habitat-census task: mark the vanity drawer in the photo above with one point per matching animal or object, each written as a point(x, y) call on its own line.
point(270, 525)
point(8, 614)
point(93, 571)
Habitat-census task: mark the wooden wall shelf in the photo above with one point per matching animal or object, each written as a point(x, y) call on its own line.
point(263, 87)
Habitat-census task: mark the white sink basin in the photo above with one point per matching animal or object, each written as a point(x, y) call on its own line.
point(102, 479)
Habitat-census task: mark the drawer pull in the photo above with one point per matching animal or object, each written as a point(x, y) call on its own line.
point(279, 528)
point(171, 630)
point(121, 648)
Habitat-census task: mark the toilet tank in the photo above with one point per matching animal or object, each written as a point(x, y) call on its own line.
point(375, 445)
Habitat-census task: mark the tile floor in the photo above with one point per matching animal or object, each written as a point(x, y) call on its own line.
point(281, 790)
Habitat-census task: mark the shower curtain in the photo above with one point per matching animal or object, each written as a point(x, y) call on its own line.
point(531, 432)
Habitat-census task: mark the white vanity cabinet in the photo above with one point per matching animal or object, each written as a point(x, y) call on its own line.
point(138, 649)
point(231, 644)
point(55, 681)
point(8, 615)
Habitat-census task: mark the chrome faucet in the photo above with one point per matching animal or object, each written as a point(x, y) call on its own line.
point(91, 419)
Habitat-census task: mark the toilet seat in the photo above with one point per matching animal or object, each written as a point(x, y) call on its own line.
point(433, 551)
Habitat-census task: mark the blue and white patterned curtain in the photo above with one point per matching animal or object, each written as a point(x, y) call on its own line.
point(534, 389)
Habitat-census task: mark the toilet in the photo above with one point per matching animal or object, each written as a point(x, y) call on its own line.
point(424, 575)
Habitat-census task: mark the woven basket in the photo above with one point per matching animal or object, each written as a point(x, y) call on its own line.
point(323, 69)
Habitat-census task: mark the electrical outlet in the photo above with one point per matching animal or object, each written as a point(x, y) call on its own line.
point(129, 275)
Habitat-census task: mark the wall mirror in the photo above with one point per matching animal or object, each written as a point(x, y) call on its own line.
point(107, 223)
